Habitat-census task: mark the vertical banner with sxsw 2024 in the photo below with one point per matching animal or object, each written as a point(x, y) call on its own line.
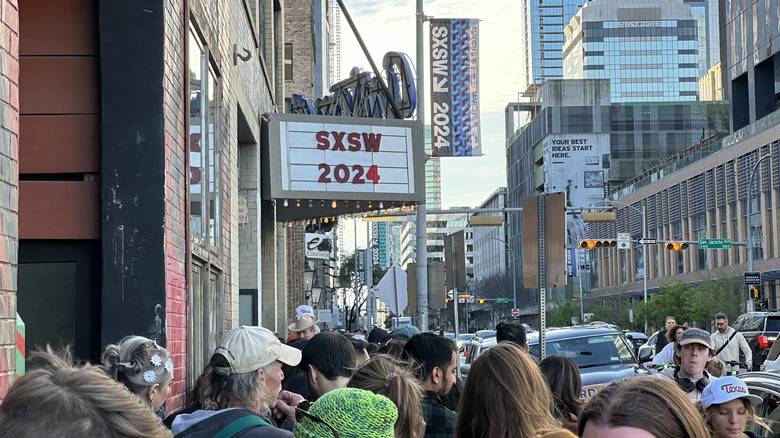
point(454, 88)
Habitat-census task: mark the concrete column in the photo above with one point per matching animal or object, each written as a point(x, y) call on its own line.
point(268, 266)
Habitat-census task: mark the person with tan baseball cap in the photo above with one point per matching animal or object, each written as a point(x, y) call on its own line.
point(240, 385)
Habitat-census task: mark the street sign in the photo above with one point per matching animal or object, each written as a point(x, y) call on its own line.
point(752, 278)
point(623, 240)
point(715, 244)
point(647, 241)
point(515, 313)
point(502, 300)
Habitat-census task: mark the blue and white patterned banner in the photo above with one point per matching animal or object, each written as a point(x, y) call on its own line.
point(455, 127)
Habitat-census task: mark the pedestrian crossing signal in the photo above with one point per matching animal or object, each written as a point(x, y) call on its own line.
point(598, 243)
point(676, 246)
point(754, 292)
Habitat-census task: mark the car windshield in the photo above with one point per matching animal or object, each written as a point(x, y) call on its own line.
point(463, 337)
point(590, 351)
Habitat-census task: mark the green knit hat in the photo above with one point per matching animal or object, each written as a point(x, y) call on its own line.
point(353, 413)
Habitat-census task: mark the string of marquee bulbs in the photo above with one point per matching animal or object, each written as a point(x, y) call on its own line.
point(391, 211)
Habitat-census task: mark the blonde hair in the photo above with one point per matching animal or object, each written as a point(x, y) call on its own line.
point(505, 395)
point(385, 375)
point(74, 401)
point(627, 402)
point(752, 417)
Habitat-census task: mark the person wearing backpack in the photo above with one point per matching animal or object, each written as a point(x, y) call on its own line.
point(239, 387)
point(727, 342)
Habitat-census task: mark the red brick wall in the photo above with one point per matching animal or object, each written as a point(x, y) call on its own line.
point(175, 199)
point(9, 189)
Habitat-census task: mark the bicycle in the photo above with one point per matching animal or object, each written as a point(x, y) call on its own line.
point(661, 366)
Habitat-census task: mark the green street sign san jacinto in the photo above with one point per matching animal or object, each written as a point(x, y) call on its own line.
point(714, 243)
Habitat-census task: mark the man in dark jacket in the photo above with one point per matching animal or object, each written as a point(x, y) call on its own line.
point(661, 340)
point(240, 385)
point(436, 357)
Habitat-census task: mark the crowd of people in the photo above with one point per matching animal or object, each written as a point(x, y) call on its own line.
point(379, 385)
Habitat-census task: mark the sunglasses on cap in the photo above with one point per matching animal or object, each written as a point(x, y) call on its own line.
point(301, 412)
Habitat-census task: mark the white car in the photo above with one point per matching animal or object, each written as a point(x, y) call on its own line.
point(649, 346)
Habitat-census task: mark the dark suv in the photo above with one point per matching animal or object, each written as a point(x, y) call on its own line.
point(760, 330)
point(602, 354)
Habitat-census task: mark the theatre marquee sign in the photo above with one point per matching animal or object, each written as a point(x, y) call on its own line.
point(330, 165)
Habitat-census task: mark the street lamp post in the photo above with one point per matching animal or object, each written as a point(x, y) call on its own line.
point(512, 264)
point(749, 233)
point(644, 250)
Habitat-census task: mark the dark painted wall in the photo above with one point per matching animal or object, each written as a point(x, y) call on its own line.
point(132, 168)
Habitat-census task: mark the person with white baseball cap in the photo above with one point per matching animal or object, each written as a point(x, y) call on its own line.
point(728, 406)
point(240, 385)
point(695, 351)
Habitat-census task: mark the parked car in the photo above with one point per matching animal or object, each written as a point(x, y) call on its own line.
point(485, 333)
point(637, 339)
point(766, 386)
point(464, 339)
point(647, 350)
point(760, 330)
point(602, 354)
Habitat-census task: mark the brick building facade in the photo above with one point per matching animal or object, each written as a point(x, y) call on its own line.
point(9, 185)
point(140, 210)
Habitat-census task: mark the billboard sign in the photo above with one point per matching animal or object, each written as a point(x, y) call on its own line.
point(325, 166)
point(454, 53)
point(577, 165)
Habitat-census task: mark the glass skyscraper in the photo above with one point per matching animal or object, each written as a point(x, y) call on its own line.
point(544, 20)
point(649, 53)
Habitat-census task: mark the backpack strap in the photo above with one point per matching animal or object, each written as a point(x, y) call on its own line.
point(239, 425)
point(734, 333)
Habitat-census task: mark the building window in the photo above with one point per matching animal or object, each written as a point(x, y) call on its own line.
point(256, 13)
point(288, 61)
point(204, 323)
point(204, 152)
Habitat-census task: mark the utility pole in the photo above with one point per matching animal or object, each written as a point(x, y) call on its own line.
point(421, 220)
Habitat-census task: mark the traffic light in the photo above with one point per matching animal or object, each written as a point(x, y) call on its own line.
point(676, 246)
point(754, 292)
point(481, 301)
point(598, 243)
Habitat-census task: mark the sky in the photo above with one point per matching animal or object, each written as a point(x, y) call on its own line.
point(389, 25)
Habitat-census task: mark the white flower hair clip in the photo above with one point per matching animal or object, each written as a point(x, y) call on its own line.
point(149, 376)
point(169, 366)
point(156, 360)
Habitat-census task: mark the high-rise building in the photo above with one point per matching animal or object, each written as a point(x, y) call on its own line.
point(541, 45)
point(582, 143)
point(438, 226)
point(649, 52)
point(490, 243)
